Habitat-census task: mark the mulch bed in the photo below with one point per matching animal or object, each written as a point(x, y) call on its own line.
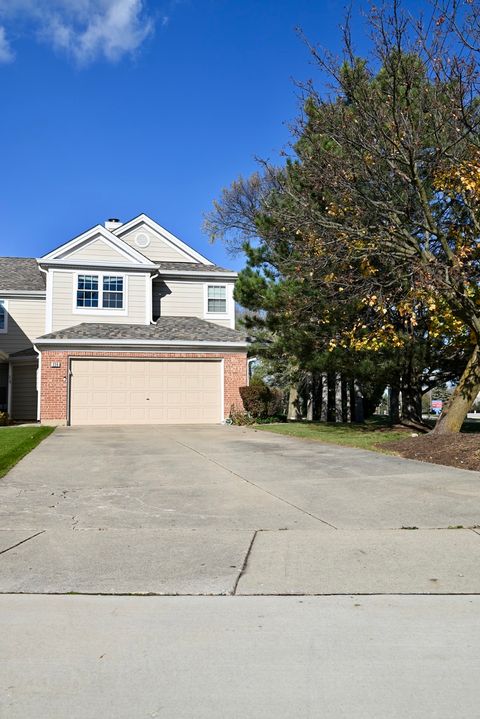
point(457, 450)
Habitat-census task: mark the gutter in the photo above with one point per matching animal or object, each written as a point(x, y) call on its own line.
point(136, 268)
point(135, 343)
point(192, 273)
point(33, 294)
point(93, 265)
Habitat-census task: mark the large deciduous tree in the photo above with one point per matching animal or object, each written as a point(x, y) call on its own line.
point(376, 218)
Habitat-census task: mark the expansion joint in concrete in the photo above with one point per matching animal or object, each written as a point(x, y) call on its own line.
point(27, 539)
point(261, 489)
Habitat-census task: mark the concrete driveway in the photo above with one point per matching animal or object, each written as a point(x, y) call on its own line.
point(230, 511)
point(224, 510)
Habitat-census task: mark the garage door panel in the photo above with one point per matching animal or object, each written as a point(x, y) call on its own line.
point(145, 392)
point(139, 383)
point(116, 398)
point(84, 383)
point(134, 414)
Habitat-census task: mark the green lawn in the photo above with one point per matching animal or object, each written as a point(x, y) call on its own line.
point(365, 436)
point(16, 442)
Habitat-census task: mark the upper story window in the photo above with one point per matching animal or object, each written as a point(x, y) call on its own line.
point(113, 292)
point(100, 291)
point(3, 316)
point(87, 291)
point(216, 298)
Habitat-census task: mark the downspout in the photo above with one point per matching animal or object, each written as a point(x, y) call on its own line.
point(39, 382)
point(152, 277)
point(9, 390)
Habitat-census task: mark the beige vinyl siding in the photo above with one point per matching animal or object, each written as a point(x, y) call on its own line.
point(64, 291)
point(24, 391)
point(26, 322)
point(184, 299)
point(97, 251)
point(158, 249)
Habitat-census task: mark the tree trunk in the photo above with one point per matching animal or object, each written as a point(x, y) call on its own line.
point(358, 414)
point(317, 393)
point(309, 398)
point(331, 397)
point(346, 416)
point(411, 392)
point(463, 397)
point(411, 404)
point(394, 404)
point(324, 407)
point(293, 404)
point(338, 398)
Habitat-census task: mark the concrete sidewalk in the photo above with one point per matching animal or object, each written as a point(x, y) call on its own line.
point(239, 657)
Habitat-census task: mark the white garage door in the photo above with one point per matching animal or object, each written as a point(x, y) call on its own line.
point(145, 392)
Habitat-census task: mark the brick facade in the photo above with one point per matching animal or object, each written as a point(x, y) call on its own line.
point(54, 380)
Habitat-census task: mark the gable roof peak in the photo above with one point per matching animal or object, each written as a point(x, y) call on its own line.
point(166, 235)
point(63, 251)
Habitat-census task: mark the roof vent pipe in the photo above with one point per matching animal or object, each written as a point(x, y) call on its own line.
point(113, 223)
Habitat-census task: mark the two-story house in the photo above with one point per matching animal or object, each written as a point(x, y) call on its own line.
point(124, 324)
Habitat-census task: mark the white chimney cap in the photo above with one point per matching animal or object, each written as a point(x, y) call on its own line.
point(113, 223)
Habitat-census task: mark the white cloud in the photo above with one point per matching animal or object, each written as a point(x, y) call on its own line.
point(6, 53)
point(86, 30)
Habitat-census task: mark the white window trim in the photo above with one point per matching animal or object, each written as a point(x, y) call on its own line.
point(4, 330)
point(217, 315)
point(100, 310)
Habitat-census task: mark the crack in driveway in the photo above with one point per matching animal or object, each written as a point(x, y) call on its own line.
point(243, 568)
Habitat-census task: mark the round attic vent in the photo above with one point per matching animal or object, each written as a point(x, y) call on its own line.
point(142, 240)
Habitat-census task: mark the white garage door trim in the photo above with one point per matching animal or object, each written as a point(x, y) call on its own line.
point(182, 360)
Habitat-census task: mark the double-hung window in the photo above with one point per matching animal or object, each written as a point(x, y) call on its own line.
point(216, 299)
point(3, 317)
point(87, 291)
point(113, 292)
point(100, 291)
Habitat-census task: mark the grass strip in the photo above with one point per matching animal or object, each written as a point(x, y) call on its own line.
point(16, 442)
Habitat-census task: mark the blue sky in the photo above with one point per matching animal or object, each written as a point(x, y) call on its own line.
point(110, 108)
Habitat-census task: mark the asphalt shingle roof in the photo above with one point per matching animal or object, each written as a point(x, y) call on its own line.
point(165, 328)
point(29, 352)
point(188, 267)
point(20, 273)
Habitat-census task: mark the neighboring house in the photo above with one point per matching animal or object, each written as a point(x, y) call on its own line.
point(124, 324)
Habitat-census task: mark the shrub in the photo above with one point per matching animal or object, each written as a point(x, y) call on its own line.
point(274, 419)
point(239, 417)
point(4, 419)
point(261, 401)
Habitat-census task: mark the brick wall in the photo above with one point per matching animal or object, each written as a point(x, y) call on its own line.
point(54, 384)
